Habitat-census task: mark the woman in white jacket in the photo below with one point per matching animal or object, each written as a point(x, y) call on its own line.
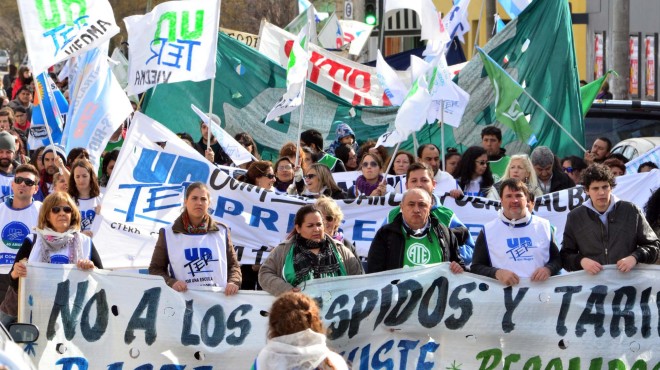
point(296, 337)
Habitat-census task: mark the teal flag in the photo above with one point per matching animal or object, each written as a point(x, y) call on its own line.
point(536, 49)
point(507, 92)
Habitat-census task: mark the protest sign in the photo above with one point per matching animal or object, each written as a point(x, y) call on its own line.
point(411, 318)
point(166, 43)
point(151, 177)
point(244, 37)
point(60, 29)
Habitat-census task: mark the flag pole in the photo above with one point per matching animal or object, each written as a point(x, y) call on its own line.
point(389, 166)
point(476, 37)
point(442, 133)
point(208, 137)
point(554, 120)
point(302, 101)
point(416, 143)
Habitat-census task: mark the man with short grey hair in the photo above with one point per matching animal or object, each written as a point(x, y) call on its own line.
point(550, 178)
point(414, 238)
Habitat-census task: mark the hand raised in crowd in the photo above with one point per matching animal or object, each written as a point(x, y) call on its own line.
point(380, 190)
point(541, 274)
point(20, 269)
point(180, 286)
point(455, 267)
point(507, 277)
point(591, 266)
point(456, 193)
point(626, 264)
point(209, 155)
point(85, 264)
point(231, 289)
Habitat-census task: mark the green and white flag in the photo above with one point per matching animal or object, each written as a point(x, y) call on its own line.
point(296, 74)
point(589, 92)
point(507, 92)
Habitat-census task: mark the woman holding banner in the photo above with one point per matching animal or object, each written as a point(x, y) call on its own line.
point(307, 254)
point(318, 181)
point(58, 240)
point(195, 249)
point(472, 174)
point(84, 189)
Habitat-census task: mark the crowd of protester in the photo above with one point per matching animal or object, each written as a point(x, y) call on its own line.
point(58, 196)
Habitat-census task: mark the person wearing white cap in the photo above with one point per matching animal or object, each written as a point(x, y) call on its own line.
point(53, 159)
point(8, 163)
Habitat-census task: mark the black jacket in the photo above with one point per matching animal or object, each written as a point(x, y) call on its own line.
point(219, 155)
point(628, 233)
point(560, 181)
point(386, 251)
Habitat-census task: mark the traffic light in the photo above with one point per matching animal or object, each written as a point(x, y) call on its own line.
point(371, 12)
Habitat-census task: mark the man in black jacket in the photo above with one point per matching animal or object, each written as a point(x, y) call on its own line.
point(414, 238)
point(550, 178)
point(605, 230)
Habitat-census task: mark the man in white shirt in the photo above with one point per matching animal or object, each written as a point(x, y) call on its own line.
point(516, 244)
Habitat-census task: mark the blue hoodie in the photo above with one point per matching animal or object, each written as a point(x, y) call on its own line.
point(343, 130)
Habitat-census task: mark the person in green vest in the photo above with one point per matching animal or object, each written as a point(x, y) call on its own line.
point(420, 176)
point(491, 140)
point(313, 139)
point(414, 238)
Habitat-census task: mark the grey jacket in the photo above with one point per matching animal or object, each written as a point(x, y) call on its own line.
point(272, 280)
point(627, 233)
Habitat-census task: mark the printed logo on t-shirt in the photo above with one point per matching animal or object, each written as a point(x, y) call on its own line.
point(59, 259)
point(418, 254)
point(198, 260)
point(87, 217)
point(14, 233)
point(520, 249)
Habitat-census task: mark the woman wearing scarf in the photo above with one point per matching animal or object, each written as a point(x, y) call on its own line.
point(58, 240)
point(308, 254)
point(197, 250)
point(371, 183)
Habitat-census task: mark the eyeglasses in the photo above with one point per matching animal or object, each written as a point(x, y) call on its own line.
point(481, 163)
point(270, 176)
point(369, 164)
point(57, 209)
point(568, 169)
point(287, 167)
point(310, 176)
point(23, 180)
point(329, 218)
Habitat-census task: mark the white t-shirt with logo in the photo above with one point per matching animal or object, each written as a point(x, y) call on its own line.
point(16, 225)
point(87, 209)
point(198, 260)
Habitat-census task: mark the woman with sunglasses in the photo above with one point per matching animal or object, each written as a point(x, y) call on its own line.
point(473, 175)
point(332, 219)
point(371, 182)
point(284, 172)
point(573, 167)
point(84, 189)
point(318, 181)
point(196, 251)
point(58, 240)
point(307, 254)
point(259, 173)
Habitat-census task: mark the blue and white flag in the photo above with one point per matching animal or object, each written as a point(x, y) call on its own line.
point(237, 152)
point(456, 21)
point(54, 105)
point(394, 88)
point(514, 7)
point(652, 155)
point(98, 105)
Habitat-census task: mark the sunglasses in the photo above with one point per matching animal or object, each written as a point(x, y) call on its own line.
point(329, 218)
point(23, 180)
point(482, 163)
point(310, 176)
point(57, 209)
point(568, 169)
point(270, 176)
point(285, 168)
point(369, 164)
